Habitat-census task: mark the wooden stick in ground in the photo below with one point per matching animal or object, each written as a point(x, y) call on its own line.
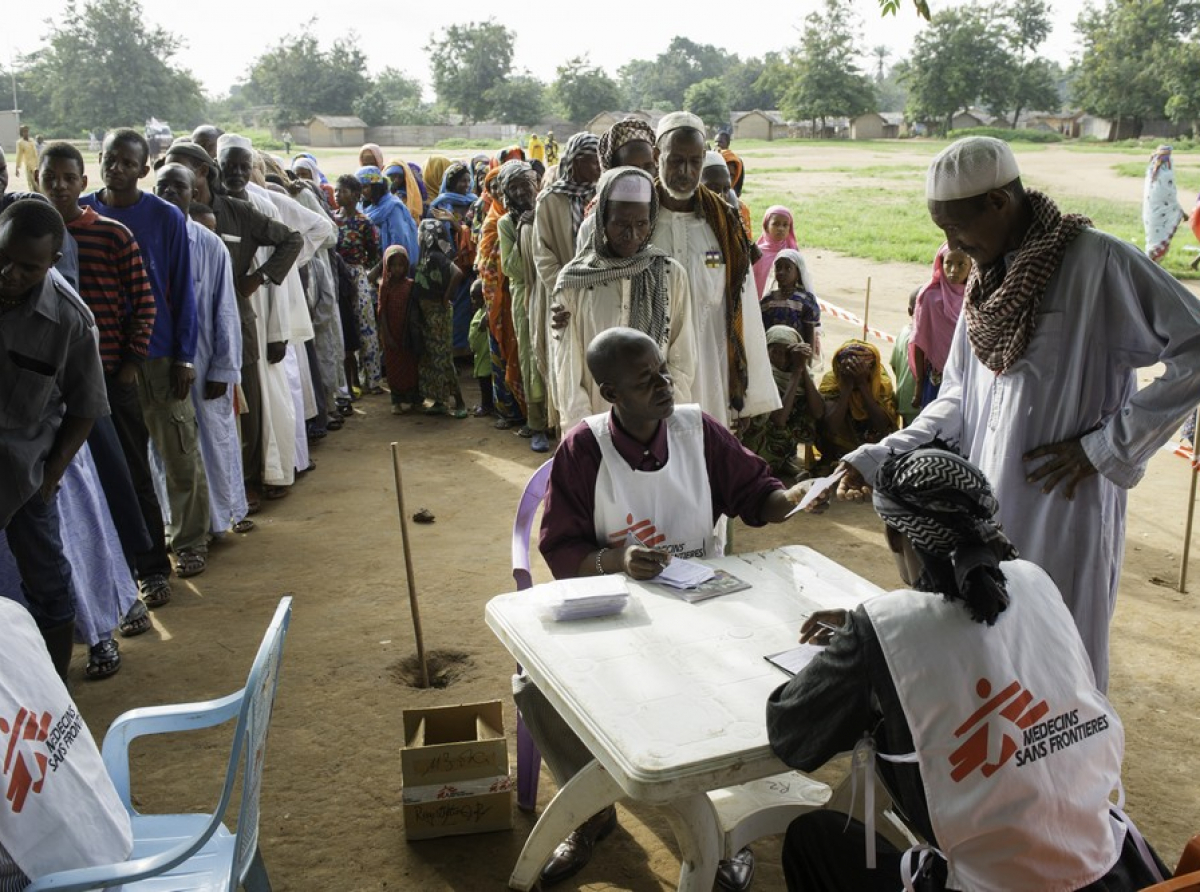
point(1187, 531)
point(867, 308)
point(408, 568)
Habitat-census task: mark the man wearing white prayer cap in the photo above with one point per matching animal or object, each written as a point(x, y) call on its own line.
point(698, 229)
point(1039, 390)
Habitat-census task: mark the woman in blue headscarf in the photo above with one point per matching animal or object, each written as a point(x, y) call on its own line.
point(454, 208)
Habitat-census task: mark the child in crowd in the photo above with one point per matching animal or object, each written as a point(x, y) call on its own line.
point(482, 352)
point(934, 318)
point(906, 382)
point(775, 437)
point(778, 233)
point(715, 176)
point(860, 404)
point(358, 245)
point(399, 325)
point(789, 299)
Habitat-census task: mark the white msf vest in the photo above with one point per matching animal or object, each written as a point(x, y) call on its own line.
point(1017, 749)
point(669, 509)
point(59, 809)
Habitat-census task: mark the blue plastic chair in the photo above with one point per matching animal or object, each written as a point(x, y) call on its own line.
point(194, 852)
point(529, 760)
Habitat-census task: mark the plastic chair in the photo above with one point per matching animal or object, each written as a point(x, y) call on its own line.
point(194, 852)
point(1187, 873)
point(529, 760)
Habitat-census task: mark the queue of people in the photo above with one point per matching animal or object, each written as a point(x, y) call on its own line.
point(172, 355)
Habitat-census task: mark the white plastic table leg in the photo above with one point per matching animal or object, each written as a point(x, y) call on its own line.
point(699, 836)
point(589, 791)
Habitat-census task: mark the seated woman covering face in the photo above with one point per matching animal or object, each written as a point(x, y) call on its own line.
point(60, 809)
point(977, 693)
point(860, 403)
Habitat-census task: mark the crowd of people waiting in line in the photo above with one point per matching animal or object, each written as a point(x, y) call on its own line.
point(171, 356)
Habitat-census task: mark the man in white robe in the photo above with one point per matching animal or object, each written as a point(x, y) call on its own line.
point(686, 234)
point(218, 354)
point(1039, 390)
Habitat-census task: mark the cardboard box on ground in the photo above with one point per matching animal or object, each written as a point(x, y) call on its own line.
point(454, 771)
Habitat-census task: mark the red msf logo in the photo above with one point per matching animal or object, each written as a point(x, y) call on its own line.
point(974, 752)
point(644, 531)
point(25, 756)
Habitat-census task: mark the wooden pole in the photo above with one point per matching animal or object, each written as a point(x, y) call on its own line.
point(1187, 532)
point(867, 309)
point(408, 568)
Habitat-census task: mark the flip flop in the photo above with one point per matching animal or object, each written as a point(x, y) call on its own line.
point(136, 620)
point(104, 659)
point(244, 525)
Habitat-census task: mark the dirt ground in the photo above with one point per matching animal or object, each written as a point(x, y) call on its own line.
point(331, 810)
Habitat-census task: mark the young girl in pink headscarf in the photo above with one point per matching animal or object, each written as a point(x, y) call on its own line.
point(778, 233)
point(936, 314)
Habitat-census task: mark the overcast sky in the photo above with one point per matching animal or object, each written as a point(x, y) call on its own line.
point(548, 33)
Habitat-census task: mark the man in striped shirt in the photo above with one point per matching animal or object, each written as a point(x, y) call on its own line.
point(112, 280)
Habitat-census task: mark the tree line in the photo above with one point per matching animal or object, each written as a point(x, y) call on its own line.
point(1140, 60)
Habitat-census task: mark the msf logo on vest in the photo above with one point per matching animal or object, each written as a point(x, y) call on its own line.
point(644, 531)
point(26, 756)
point(1013, 712)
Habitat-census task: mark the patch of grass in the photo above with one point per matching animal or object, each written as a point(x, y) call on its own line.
point(1185, 177)
point(1010, 136)
point(459, 142)
point(890, 223)
point(862, 221)
point(878, 170)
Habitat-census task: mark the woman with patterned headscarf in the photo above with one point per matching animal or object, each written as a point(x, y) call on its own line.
point(435, 284)
point(508, 395)
point(620, 279)
point(860, 404)
point(971, 693)
point(560, 211)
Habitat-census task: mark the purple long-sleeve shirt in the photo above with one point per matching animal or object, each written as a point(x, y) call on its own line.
point(161, 233)
point(738, 479)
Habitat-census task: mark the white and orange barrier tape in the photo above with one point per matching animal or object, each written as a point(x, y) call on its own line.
point(846, 316)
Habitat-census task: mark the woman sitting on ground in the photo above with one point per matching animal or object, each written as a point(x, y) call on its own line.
point(860, 404)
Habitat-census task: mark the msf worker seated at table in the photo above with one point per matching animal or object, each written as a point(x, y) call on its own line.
point(979, 670)
point(645, 472)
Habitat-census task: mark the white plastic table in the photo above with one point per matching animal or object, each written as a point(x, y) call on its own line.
point(669, 697)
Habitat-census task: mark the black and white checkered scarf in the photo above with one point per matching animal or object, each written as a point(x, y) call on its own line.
point(1002, 299)
point(945, 506)
point(580, 194)
point(596, 264)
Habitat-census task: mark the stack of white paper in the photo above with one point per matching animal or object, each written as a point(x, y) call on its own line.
point(589, 596)
point(682, 573)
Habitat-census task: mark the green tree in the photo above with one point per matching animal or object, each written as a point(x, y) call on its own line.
point(300, 79)
point(957, 61)
point(1181, 67)
point(467, 61)
point(519, 100)
point(664, 80)
point(1033, 80)
point(747, 90)
point(398, 87)
point(373, 107)
point(583, 90)
point(1127, 48)
point(102, 66)
point(825, 82)
point(709, 99)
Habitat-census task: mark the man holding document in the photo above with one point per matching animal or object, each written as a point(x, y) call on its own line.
point(631, 489)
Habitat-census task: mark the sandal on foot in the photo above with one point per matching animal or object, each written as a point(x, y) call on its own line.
point(435, 409)
point(345, 409)
point(334, 423)
point(459, 413)
point(135, 621)
point(104, 659)
point(276, 492)
point(481, 412)
point(505, 424)
point(190, 563)
point(526, 432)
point(244, 525)
point(155, 590)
